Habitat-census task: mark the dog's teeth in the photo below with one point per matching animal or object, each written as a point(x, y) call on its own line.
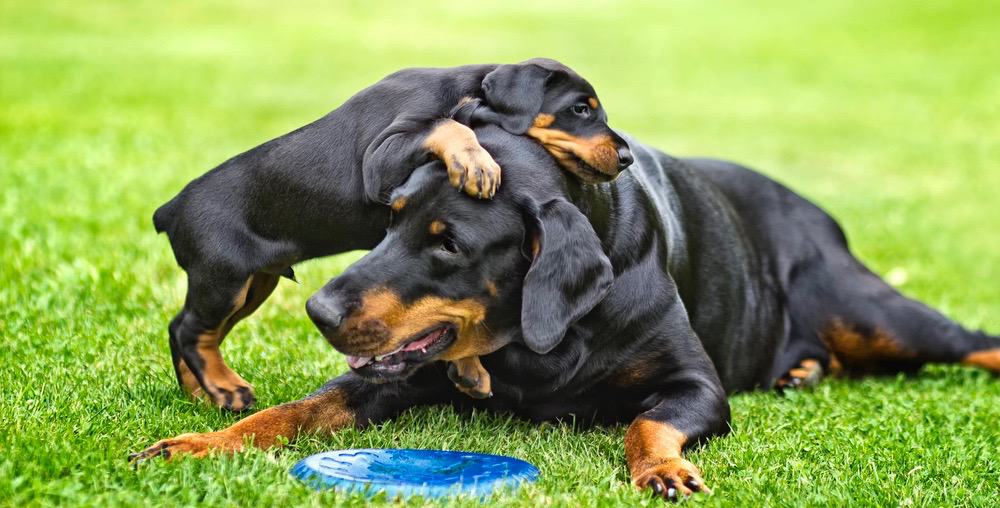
point(379, 358)
point(423, 350)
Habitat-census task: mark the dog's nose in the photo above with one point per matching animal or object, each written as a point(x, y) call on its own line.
point(624, 157)
point(326, 312)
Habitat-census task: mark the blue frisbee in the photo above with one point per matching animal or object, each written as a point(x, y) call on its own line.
point(400, 472)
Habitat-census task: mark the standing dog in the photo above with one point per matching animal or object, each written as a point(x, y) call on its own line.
point(646, 300)
point(320, 190)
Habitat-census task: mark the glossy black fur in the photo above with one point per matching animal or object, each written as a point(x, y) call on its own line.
point(320, 189)
point(679, 283)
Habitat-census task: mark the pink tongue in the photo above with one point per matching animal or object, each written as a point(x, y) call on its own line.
point(357, 362)
point(424, 342)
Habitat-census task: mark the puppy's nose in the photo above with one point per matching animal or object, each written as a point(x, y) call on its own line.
point(326, 312)
point(624, 157)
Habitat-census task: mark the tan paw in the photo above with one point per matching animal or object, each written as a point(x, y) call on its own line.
point(470, 378)
point(223, 386)
point(808, 373)
point(672, 480)
point(473, 170)
point(196, 445)
point(233, 394)
point(226, 390)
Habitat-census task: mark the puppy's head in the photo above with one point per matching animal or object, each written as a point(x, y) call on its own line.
point(457, 277)
point(553, 104)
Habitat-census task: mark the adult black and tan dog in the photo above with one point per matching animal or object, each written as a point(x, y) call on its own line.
point(320, 190)
point(646, 300)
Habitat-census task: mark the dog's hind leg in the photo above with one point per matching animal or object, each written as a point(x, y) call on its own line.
point(212, 308)
point(904, 335)
point(804, 359)
point(870, 328)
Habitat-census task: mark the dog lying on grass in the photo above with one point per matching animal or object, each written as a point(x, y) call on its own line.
point(646, 300)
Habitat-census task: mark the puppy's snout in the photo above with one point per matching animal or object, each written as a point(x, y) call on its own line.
point(327, 312)
point(624, 156)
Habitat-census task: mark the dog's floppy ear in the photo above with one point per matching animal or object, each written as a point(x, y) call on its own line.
point(427, 176)
point(569, 274)
point(515, 92)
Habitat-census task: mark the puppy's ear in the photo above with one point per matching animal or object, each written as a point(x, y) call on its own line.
point(515, 92)
point(569, 274)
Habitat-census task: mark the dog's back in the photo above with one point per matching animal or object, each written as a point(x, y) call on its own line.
point(769, 280)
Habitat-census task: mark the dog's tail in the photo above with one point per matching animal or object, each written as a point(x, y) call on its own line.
point(164, 216)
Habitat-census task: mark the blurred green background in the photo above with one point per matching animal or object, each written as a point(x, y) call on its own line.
point(885, 112)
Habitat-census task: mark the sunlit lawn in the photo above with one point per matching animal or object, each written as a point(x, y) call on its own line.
point(884, 112)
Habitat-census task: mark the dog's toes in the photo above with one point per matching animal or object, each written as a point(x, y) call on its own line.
point(693, 484)
point(470, 378)
point(672, 480)
point(195, 445)
point(456, 377)
point(807, 374)
point(475, 392)
point(246, 398)
point(230, 392)
point(655, 484)
point(157, 450)
point(491, 179)
point(237, 399)
point(474, 171)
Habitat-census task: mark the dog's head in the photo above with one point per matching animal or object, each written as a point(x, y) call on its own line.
point(458, 277)
point(553, 104)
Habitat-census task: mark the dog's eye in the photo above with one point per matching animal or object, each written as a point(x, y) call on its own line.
point(581, 110)
point(449, 245)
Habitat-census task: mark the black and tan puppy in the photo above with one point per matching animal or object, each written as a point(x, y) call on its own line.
point(321, 189)
point(646, 300)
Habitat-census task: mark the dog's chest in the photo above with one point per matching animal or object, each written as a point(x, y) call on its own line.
point(564, 384)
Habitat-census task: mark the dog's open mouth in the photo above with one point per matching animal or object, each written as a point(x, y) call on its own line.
point(419, 349)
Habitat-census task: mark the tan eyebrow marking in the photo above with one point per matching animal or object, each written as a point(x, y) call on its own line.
point(544, 120)
point(593, 103)
point(437, 227)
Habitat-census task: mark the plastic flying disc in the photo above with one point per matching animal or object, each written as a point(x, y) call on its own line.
point(428, 473)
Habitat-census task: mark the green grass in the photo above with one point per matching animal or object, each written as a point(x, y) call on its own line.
point(885, 112)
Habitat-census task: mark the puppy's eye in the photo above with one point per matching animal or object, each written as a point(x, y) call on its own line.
point(581, 110)
point(448, 245)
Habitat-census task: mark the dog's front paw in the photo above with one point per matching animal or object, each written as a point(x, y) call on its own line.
point(196, 445)
point(473, 170)
point(671, 480)
point(470, 378)
point(228, 390)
